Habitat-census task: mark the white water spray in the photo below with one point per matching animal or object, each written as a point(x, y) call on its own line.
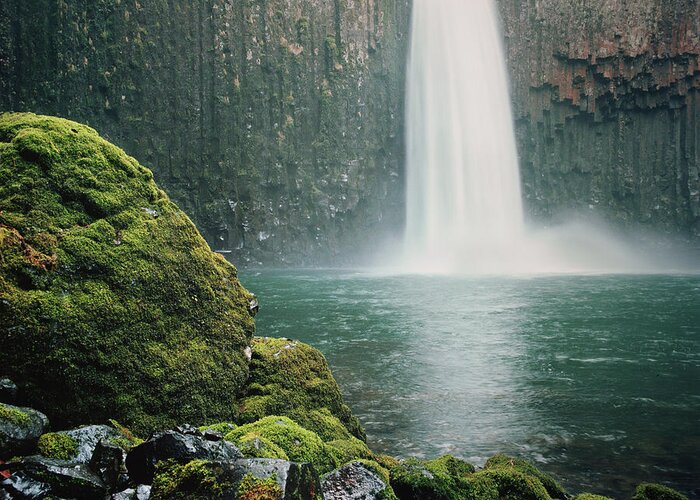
point(464, 206)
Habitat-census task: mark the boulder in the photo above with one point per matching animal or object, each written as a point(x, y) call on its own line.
point(141, 492)
point(108, 462)
point(293, 379)
point(182, 448)
point(243, 478)
point(8, 391)
point(356, 481)
point(652, 491)
point(510, 463)
point(77, 445)
point(63, 480)
point(20, 429)
point(146, 324)
point(20, 485)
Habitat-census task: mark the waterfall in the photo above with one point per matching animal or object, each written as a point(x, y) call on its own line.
point(464, 204)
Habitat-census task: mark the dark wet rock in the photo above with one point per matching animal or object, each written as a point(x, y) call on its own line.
point(69, 481)
point(141, 492)
point(107, 462)
point(213, 435)
point(190, 430)
point(182, 448)
point(354, 481)
point(20, 485)
point(295, 480)
point(8, 390)
point(20, 429)
point(87, 438)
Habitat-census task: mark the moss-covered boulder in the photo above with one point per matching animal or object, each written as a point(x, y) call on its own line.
point(591, 496)
point(280, 434)
point(444, 478)
point(501, 461)
point(652, 491)
point(293, 379)
point(20, 429)
point(111, 303)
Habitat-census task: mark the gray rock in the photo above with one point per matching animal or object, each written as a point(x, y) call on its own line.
point(107, 462)
point(141, 460)
point(20, 429)
point(20, 485)
point(298, 481)
point(353, 481)
point(69, 481)
point(8, 391)
point(142, 492)
point(87, 438)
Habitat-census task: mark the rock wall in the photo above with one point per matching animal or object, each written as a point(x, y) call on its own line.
point(607, 104)
point(275, 124)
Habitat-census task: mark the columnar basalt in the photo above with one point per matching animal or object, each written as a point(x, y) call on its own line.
point(607, 99)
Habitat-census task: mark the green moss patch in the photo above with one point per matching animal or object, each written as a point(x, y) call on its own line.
point(506, 462)
point(113, 303)
point(194, 480)
point(59, 446)
point(13, 415)
point(514, 485)
point(651, 491)
point(293, 379)
point(299, 444)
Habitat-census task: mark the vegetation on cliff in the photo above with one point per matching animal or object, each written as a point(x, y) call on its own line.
point(111, 303)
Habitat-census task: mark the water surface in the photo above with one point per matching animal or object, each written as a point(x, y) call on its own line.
point(596, 378)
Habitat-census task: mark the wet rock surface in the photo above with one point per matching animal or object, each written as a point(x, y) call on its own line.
point(141, 460)
point(353, 481)
point(20, 429)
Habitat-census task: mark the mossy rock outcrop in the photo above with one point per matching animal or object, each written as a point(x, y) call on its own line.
point(293, 379)
point(111, 303)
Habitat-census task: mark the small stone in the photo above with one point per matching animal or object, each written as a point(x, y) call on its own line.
point(296, 480)
point(213, 435)
point(8, 391)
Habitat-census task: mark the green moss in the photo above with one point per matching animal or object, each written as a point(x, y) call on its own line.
point(59, 446)
point(96, 258)
point(127, 440)
point(194, 480)
point(513, 484)
point(504, 461)
point(13, 415)
point(349, 449)
point(412, 480)
point(253, 488)
point(450, 466)
point(651, 491)
point(293, 379)
point(300, 445)
point(591, 496)
point(259, 447)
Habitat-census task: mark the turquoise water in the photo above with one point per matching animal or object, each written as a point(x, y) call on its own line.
point(595, 378)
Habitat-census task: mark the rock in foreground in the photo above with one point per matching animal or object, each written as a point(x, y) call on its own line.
point(111, 303)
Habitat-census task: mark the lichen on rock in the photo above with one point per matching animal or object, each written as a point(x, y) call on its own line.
point(111, 303)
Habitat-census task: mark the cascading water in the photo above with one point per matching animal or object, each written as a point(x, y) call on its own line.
point(463, 202)
point(463, 186)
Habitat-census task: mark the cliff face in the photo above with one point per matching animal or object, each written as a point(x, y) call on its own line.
point(276, 124)
point(607, 104)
